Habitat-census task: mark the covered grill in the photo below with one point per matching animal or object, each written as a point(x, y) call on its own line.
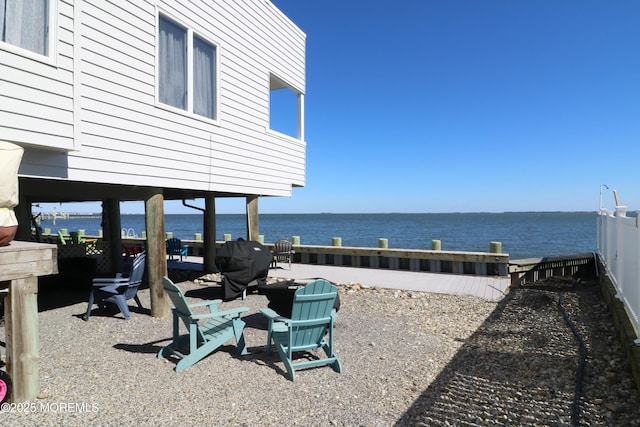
point(242, 264)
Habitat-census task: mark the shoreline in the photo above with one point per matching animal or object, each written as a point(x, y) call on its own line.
point(99, 215)
point(523, 235)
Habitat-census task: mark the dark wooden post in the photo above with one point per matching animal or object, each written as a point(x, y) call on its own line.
point(112, 232)
point(252, 218)
point(156, 252)
point(23, 214)
point(209, 242)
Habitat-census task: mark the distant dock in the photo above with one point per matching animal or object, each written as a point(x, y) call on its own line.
point(68, 215)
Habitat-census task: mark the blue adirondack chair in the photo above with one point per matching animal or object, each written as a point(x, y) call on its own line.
point(118, 290)
point(175, 247)
point(203, 339)
point(312, 315)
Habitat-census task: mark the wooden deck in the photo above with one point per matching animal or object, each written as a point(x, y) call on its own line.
point(489, 287)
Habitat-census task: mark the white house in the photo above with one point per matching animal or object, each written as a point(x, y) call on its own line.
point(150, 100)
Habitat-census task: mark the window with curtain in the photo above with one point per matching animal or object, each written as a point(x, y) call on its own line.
point(204, 72)
point(25, 24)
point(172, 71)
point(186, 65)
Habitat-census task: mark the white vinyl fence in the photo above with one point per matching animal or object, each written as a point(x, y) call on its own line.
point(619, 248)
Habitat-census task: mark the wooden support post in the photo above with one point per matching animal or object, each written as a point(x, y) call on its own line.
point(253, 228)
point(23, 340)
point(209, 262)
point(20, 265)
point(517, 279)
point(156, 252)
point(113, 232)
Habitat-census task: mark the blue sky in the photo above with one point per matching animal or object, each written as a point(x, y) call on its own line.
point(466, 106)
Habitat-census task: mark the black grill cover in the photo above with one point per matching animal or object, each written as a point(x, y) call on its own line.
point(281, 295)
point(242, 263)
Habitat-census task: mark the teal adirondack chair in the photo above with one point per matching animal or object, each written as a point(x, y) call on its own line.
point(312, 315)
point(203, 339)
point(175, 247)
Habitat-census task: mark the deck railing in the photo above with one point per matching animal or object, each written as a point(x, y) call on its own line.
point(619, 250)
point(528, 270)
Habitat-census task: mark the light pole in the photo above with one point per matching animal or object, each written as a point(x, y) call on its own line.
point(607, 187)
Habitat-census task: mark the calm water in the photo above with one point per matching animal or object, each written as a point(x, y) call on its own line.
point(523, 234)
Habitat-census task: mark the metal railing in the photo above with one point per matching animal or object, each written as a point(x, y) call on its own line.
point(618, 239)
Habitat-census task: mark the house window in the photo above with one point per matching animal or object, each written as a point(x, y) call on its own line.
point(204, 80)
point(286, 108)
point(173, 64)
point(187, 64)
point(25, 24)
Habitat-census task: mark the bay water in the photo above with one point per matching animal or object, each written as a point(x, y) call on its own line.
point(522, 234)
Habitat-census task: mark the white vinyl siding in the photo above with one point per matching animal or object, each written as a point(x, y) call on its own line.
point(36, 91)
point(125, 135)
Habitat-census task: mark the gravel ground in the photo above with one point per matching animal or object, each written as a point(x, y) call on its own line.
point(409, 358)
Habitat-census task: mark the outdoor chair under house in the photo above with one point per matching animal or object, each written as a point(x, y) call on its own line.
point(176, 248)
point(118, 290)
point(282, 252)
point(312, 319)
point(202, 339)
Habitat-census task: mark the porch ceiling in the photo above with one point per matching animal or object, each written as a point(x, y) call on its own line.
point(49, 190)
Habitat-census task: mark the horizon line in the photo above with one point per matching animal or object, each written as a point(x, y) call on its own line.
point(344, 213)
